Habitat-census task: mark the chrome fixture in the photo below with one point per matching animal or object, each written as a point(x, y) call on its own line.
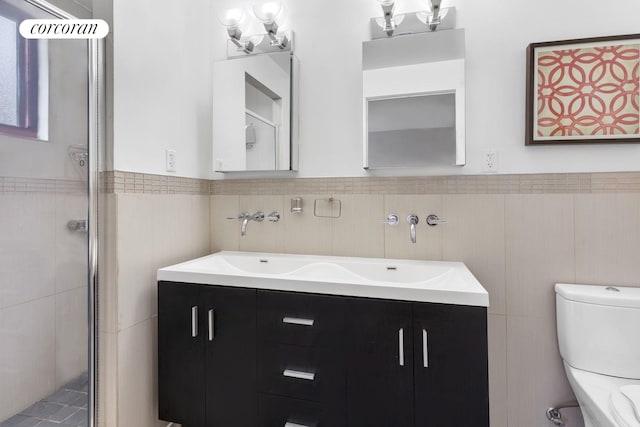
point(233, 19)
point(413, 221)
point(268, 12)
point(79, 225)
point(272, 16)
point(392, 219)
point(245, 217)
point(296, 205)
point(388, 7)
point(554, 415)
point(433, 220)
point(434, 17)
point(79, 154)
point(273, 217)
point(327, 208)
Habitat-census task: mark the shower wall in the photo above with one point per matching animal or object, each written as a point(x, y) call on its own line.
point(43, 265)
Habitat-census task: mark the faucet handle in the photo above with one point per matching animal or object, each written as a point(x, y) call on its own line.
point(433, 220)
point(258, 216)
point(392, 219)
point(240, 217)
point(273, 216)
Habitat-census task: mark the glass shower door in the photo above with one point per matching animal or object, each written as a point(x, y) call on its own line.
point(44, 127)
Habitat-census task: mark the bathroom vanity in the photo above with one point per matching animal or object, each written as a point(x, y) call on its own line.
point(251, 339)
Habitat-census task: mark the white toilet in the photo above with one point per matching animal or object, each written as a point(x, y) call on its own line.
point(599, 337)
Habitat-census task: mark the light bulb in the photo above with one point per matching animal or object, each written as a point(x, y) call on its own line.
point(232, 18)
point(268, 11)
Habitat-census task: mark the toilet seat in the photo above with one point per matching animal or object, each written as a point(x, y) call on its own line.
point(625, 405)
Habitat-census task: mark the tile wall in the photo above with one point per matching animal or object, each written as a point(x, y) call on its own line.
point(518, 234)
point(43, 311)
point(141, 232)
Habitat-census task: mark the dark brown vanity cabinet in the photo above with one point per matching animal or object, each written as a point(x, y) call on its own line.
point(286, 359)
point(207, 355)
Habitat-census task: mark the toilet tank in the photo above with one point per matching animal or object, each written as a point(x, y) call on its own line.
point(599, 328)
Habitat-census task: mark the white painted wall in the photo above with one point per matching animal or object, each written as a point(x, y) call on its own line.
point(497, 33)
point(162, 69)
point(162, 85)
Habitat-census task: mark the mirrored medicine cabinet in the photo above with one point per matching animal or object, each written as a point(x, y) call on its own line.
point(254, 113)
point(414, 100)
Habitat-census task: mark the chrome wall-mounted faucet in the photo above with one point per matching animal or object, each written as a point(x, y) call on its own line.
point(413, 220)
point(273, 217)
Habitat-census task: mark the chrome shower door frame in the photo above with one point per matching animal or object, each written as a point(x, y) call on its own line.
point(95, 142)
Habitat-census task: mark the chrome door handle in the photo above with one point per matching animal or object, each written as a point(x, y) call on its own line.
point(301, 375)
point(425, 349)
point(194, 321)
point(401, 346)
point(298, 321)
point(212, 325)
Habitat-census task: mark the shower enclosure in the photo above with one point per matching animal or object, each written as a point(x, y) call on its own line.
point(49, 134)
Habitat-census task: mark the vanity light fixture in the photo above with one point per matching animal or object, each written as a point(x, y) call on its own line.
point(435, 17)
point(233, 20)
point(388, 7)
point(269, 12)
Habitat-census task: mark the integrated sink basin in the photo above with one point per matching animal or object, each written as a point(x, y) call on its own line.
point(425, 281)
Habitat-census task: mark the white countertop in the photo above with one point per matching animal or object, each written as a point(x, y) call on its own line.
point(406, 280)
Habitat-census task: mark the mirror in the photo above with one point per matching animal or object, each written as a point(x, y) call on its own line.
point(254, 124)
point(413, 100)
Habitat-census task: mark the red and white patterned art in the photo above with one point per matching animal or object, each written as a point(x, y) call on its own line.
point(587, 92)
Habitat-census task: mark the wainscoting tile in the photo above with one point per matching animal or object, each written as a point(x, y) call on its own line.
point(608, 239)
point(539, 251)
point(536, 378)
point(428, 244)
point(137, 375)
point(27, 270)
point(475, 236)
point(304, 233)
point(71, 335)
point(358, 231)
point(498, 396)
point(27, 354)
point(225, 233)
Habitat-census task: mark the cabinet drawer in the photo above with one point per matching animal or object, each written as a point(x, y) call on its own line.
point(302, 319)
point(276, 411)
point(309, 373)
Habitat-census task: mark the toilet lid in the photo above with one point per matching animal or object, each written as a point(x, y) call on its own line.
point(625, 405)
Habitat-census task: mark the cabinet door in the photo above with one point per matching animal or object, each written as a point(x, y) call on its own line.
point(379, 363)
point(451, 384)
point(181, 388)
point(230, 336)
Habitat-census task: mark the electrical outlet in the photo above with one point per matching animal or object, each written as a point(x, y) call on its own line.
point(171, 160)
point(491, 160)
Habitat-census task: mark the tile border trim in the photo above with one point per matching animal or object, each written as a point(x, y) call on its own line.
point(601, 182)
point(24, 185)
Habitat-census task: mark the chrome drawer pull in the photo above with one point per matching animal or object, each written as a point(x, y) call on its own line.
point(194, 321)
point(425, 349)
point(298, 321)
point(211, 325)
point(309, 376)
point(290, 424)
point(401, 346)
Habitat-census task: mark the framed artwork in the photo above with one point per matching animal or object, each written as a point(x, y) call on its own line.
point(583, 91)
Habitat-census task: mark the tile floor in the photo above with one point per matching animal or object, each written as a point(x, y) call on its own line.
point(67, 407)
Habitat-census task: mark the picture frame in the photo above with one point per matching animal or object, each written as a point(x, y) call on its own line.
point(583, 91)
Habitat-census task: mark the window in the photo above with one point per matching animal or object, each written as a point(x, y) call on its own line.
point(18, 76)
